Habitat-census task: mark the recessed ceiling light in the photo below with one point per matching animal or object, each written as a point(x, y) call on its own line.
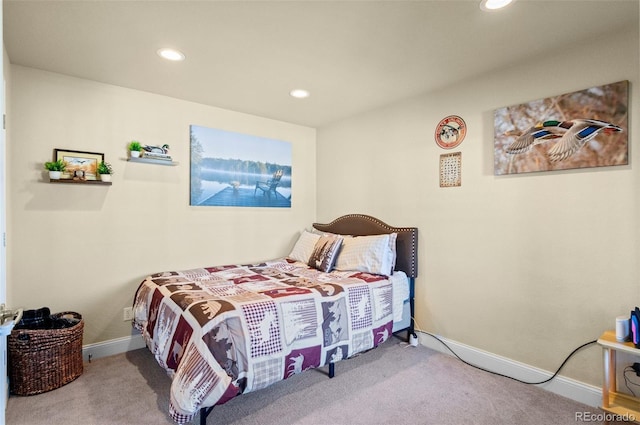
point(299, 93)
point(494, 4)
point(171, 54)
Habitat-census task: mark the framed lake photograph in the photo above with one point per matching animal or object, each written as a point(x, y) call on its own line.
point(239, 170)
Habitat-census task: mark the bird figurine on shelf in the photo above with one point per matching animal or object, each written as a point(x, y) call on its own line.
point(572, 135)
point(157, 149)
point(157, 152)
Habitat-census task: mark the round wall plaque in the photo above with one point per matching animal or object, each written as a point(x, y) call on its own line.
point(450, 132)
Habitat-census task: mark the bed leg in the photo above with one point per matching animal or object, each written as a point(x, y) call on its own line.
point(411, 331)
point(204, 412)
point(332, 370)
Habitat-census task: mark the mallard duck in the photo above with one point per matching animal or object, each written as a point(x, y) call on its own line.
point(156, 149)
point(573, 134)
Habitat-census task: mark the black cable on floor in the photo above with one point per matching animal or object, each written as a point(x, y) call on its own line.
point(627, 381)
point(503, 375)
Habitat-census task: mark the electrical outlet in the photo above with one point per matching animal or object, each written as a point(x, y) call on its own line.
point(127, 314)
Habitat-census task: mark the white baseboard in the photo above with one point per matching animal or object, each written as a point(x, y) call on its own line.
point(112, 347)
point(566, 387)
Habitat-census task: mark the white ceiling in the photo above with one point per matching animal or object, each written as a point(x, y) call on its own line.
point(246, 56)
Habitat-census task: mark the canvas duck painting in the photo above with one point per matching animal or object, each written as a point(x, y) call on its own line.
point(582, 129)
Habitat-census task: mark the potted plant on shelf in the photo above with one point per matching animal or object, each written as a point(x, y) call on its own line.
point(105, 171)
point(55, 168)
point(135, 148)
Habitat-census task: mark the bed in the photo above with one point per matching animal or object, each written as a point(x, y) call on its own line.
point(222, 331)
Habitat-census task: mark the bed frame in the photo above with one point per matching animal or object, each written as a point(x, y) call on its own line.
point(406, 261)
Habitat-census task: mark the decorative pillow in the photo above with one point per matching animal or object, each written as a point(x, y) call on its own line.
point(369, 254)
point(325, 252)
point(304, 246)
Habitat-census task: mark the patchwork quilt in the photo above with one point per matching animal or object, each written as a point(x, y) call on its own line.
point(223, 331)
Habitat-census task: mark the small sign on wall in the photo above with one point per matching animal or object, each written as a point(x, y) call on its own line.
point(450, 169)
point(450, 132)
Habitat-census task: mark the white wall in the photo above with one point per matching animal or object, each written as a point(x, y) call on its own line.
point(528, 266)
point(86, 248)
point(6, 82)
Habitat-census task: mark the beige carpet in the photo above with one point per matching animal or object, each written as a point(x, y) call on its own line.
point(393, 384)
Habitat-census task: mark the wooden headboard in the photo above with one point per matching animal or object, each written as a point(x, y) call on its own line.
point(363, 225)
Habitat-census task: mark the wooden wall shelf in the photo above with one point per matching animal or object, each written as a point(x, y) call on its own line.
point(89, 182)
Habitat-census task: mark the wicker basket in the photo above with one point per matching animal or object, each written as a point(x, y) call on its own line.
point(45, 359)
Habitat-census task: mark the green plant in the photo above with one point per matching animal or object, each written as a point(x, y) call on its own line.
point(135, 146)
point(105, 168)
point(58, 165)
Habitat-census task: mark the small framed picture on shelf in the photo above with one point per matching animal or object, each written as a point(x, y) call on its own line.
point(85, 162)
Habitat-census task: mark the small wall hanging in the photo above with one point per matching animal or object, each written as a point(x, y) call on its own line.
point(586, 128)
point(450, 169)
point(450, 132)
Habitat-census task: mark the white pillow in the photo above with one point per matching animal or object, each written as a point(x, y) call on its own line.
point(392, 250)
point(369, 254)
point(304, 246)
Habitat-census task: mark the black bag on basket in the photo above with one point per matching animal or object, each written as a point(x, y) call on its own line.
point(43, 319)
point(35, 319)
